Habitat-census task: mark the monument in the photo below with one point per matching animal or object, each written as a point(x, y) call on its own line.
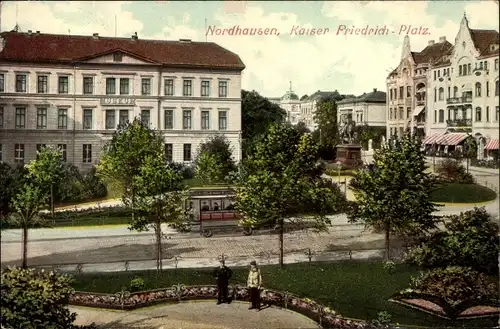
point(349, 152)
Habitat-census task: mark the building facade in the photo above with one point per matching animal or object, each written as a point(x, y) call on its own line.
point(464, 89)
point(73, 91)
point(407, 87)
point(309, 105)
point(367, 109)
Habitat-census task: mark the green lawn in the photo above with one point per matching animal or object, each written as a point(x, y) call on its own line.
point(354, 289)
point(104, 217)
point(462, 193)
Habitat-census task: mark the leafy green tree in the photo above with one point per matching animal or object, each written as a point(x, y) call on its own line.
point(302, 128)
point(470, 239)
point(27, 203)
point(214, 162)
point(125, 153)
point(160, 197)
point(394, 194)
point(47, 170)
point(35, 300)
point(11, 181)
point(281, 181)
point(470, 150)
point(325, 117)
point(258, 114)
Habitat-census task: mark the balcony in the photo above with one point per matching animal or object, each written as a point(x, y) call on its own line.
point(420, 102)
point(459, 100)
point(459, 123)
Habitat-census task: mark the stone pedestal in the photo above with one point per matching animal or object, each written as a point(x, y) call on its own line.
point(349, 155)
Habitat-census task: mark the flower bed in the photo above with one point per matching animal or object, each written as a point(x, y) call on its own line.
point(127, 301)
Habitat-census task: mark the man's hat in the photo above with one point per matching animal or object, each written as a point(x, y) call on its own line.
point(254, 263)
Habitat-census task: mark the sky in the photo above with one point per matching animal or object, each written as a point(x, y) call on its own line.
point(351, 64)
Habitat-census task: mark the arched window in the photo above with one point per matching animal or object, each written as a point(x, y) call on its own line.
point(441, 116)
point(435, 116)
point(478, 89)
point(497, 88)
point(478, 114)
point(441, 94)
point(455, 91)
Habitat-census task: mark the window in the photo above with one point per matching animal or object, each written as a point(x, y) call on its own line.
point(87, 153)
point(21, 83)
point(441, 116)
point(497, 113)
point(205, 88)
point(1, 117)
point(110, 119)
point(469, 69)
point(408, 113)
point(20, 117)
point(222, 88)
point(62, 119)
point(401, 113)
point(222, 120)
point(146, 86)
point(435, 116)
point(478, 89)
point(487, 114)
point(117, 57)
point(455, 91)
point(168, 117)
point(390, 114)
point(186, 119)
point(187, 88)
point(42, 86)
point(87, 119)
point(1, 153)
point(169, 152)
point(390, 94)
point(39, 148)
point(123, 117)
point(497, 88)
point(408, 91)
point(496, 64)
point(441, 94)
point(205, 120)
point(439, 73)
point(435, 95)
point(2, 83)
point(19, 153)
point(169, 87)
point(110, 86)
point(64, 151)
point(401, 91)
point(487, 89)
point(88, 85)
point(146, 117)
point(187, 152)
point(63, 85)
point(41, 118)
point(435, 75)
point(124, 86)
point(478, 114)
point(449, 92)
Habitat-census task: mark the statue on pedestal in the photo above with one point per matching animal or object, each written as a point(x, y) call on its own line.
point(347, 134)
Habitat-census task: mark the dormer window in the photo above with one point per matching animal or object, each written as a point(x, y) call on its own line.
point(117, 57)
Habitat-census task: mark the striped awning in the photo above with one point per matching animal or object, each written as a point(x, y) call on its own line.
point(451, 139)
point(431, 139)
point(418, 110)
point(493, 144)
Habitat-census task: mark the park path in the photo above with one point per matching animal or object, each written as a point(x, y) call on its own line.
point(194, 315)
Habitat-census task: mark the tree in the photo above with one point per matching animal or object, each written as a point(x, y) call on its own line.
point(258, 113)
point(124, 155)
point(470, 239)
point(394, 195)
point(302, 128)
point(281, 181)
point(160, 198)
point(214, 162)
point(47, 171)
point(27, 204)
point(11, 180)
point(326, 118)
point(470, 150)
point(35, 300)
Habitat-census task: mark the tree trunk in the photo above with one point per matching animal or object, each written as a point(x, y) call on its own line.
point(158, 245)
point(52, 210)
point(281, 222)
point(132, 199)
point(25, 247)
point(387, 242)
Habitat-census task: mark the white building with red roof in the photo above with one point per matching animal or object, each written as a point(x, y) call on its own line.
point(73, 91)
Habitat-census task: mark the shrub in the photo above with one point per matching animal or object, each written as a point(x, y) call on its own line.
point(187, 171)
point(137, 284)
point(35, 300)
point(389, 266)
point(451, 171)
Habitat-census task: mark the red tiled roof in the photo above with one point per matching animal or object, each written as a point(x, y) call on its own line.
point(433, 52)
point(23, 47)
point(483, 39)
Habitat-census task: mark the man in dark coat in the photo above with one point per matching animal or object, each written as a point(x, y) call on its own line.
point(222, 275)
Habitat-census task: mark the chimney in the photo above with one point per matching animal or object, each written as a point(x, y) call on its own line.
point(95, 35)
point(30, 32)
point(442, 39)
point(374, 90)
point(185, 40)
point(431, 42)
point(134, 36)
point(37, 32)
